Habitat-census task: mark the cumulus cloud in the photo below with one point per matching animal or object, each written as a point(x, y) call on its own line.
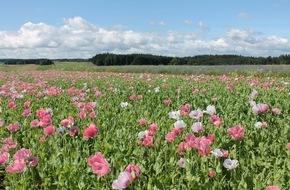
point(77, 38)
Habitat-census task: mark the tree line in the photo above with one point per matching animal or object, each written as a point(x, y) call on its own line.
point(107, 59)
point(26, 61)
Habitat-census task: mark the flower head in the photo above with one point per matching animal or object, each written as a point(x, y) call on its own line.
point(230, 164)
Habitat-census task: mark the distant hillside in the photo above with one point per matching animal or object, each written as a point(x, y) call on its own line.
point(148, 59)
point(26, 61)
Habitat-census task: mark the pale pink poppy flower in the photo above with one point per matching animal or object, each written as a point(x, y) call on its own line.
point(214, 99)
point(182, 162)
point(216, 120)
point(17, 166)
point(177, 131)
point(260, 108)
point(34, 123)
point(4, 158)
point(273, 187)
point(49, 130)
point(230, 164)
point(140, 97)
point(91, 131)
point(174, 115)
point(254, 95)
point(99, 164)
point(1, 123)
point(276, 111)
point(288, 145)
point(217, 153)
point(134, 171)
point(197, 127)
point(196, 114)
point(179, 124)
point(67, 122)
point(210, 110)
point(237, 132)
point(122, 182)
point(131, 88)
point(4, 148)
point(142, 121)
point(13, 127)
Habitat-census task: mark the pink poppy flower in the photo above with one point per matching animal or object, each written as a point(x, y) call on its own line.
point(12, 105)
point(237, 132)
point(27, 104)
point(73, 130)
point(153, 127)
point(140, 97)
point(4, 157)
point(82, 115)
point(99, 164)
point(142, 121)
point(41, 113)
point(170, 137)
point(167, 102)
point(26, 112)
point(211, 173)
point(123, 181)
point(134, 171)
point(13, 127)
point(10, 143)
point(276, 111)
point(34, 123)
point(42, 139)
point(49, 130)
point(91, 131)
point(32, 161)
point(288, 145)
point(273, 187)
point(216, 120)
point(22, 154)
point(133, 97)
point(17, 166)
point(92, 114)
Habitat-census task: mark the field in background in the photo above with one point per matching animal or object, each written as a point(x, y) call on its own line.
point(279, 70)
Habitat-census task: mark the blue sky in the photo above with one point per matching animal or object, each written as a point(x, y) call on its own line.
point(83, 28)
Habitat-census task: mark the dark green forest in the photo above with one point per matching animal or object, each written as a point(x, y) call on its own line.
point(107, 59)
point(26, 61)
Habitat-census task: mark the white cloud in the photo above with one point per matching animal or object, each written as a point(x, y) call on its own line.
point(187, 22)
point(202, 25)
point(78, 38)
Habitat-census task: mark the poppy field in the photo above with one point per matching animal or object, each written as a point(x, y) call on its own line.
point(94, 130)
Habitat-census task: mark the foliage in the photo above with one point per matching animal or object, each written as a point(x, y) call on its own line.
point(119, 102)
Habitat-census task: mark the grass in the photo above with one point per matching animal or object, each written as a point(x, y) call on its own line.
point(257, 70)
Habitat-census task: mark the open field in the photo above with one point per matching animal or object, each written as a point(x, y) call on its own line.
point(96, 130)
point(277, 70)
